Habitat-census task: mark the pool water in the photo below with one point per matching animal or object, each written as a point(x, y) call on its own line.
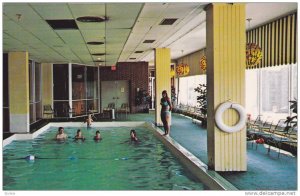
point(114, 163)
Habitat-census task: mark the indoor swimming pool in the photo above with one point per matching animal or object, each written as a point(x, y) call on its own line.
point(114, 163)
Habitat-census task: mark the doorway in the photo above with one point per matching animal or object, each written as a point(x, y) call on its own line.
point(116, 92)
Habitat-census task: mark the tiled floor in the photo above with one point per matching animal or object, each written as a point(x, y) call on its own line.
point(265, 171)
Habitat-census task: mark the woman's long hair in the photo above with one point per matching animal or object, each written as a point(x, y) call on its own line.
point(164, 91)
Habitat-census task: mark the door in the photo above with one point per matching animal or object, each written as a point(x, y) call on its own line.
point(114, 92)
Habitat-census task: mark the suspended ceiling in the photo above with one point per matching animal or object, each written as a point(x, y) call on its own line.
point(25, 28)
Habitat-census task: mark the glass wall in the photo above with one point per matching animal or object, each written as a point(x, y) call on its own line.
point(5, 87)
point(78, 89)
point(84, 87)
point(61, 89)
point(92, 89)
point(35, 98)
point(268, 91)
point(186, 94)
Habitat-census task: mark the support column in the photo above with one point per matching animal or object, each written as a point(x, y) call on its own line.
point(226, 45)
point(18, 79)
point(162, 78)
point(47, 84)
point(70, 115)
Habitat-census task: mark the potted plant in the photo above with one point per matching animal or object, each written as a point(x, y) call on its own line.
point(202, 101)
point(142, 99)
point(291, 121)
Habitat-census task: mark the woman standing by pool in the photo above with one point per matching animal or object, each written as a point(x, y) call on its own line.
point(165, 113)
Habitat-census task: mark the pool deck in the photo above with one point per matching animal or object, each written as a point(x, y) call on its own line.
point(264, 171)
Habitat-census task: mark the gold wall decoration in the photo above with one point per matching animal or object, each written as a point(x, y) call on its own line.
point(182, 69)
point(203, 63)
point(253, 54)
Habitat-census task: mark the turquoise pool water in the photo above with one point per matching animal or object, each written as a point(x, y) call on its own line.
point(115, 163)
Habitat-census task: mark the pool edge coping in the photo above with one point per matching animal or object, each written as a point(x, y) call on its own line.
point(195, 165)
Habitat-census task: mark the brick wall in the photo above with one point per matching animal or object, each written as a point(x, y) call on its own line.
point(135, 72)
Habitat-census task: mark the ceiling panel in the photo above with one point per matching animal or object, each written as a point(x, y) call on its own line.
point(122, 15)
point(79, 49)
point(11, 26)
point(52, 11)
point(96, 49)
point(118, 23)
point(70, 36)
point(87, 9)
point(115, 33)
point(25, 36)
point(93, 35)
point(85, 58)
point(123, 10)
point(153, 10)
point(143, 25)
point(91, 25)
point(180, 10)
point(49, 39)
point(12, 10)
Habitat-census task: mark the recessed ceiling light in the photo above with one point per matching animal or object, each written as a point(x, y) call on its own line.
point(99, 58)
point(95, 43)
point(149, 41)
point(92, 19)
point(168, 21)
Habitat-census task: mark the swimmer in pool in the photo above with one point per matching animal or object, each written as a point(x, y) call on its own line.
point(89, 120)
point(133, 136)
point(79, 135)
point(60, 134)
point(97, 137)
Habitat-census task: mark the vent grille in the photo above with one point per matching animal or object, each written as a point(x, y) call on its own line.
point(149, 41)
point(138, 51)
point(62, 24)
point(168, 21)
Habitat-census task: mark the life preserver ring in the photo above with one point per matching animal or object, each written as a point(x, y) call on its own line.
point(219, 121)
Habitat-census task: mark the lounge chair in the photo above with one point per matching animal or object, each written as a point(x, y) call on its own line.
point(282, 134)
point(48, 111)
point(124, 109)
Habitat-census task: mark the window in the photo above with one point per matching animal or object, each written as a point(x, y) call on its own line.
point(61, 89)
point(294, 94)
point(252, 92)
point(268, 91)
point(187, 95)
point(35, 91)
